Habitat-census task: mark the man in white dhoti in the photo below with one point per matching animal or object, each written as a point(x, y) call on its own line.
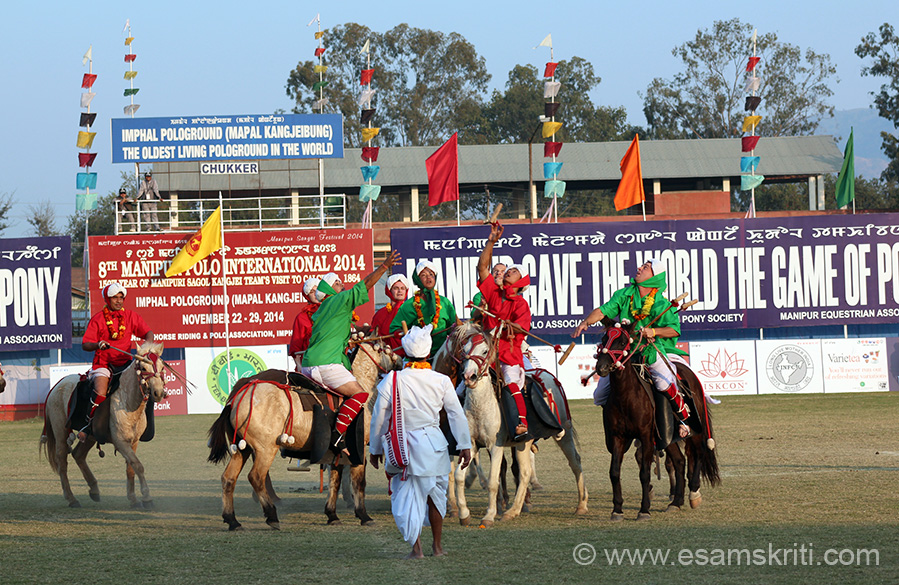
point(405, 426)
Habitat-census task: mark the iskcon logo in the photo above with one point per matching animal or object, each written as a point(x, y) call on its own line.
point(789, 368)
point(244, 363)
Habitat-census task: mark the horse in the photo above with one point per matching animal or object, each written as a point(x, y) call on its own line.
point(630, 414)
point(2, 380)
point(127, 422)
point(473, 349)
point(277, 415)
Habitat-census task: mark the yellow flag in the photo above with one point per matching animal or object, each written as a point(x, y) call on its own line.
point(204, 242)
point(128, 40)
point(319, 34)
point(750, 122)
point(85, 139)
point(369, 133)
point(320, 69)
point(550, 128)
point(130, 74)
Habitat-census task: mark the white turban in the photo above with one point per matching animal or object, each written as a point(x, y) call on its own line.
point(523, 272)
point(417, 342)
point(425, 264)
point(657, 266)
point(395, 278)
point(310, 284)
point(330, 278)
point(111, 290)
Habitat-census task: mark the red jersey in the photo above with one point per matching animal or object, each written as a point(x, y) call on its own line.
point(97, 331)
point(302, 329)
point(514, 309)
point(380, 323)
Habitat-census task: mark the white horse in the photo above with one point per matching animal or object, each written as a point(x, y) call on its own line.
point(475, 352)
point(127, 422)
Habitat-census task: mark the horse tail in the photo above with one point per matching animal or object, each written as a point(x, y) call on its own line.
point(48, 443)
point(219, 432)
point(706, 454)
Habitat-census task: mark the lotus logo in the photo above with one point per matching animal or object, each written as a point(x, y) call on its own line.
point(731, 365)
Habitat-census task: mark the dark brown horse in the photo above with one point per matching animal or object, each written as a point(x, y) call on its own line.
point(630, 415)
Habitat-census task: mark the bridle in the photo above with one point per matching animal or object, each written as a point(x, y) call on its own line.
point(146, 376)
point(374, 360)
point(619, 357)
point(483, 361)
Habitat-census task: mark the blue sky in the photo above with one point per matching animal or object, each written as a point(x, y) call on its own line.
point(198, 58)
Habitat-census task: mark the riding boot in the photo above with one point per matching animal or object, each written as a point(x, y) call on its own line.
point(96, 400)
point(680, 407)
point(348, 411)
point(515, 391)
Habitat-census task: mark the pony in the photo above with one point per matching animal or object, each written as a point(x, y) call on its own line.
point(630, 415)
point(279, 414)
point(473, 349)
point(140, 381)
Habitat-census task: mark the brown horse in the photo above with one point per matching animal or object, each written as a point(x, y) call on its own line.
point(278, 414)
point(630, 414)
point(127, 422)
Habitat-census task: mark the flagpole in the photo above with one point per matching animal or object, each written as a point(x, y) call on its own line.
point(225, 295)
point(458, 214)
point(643, 207)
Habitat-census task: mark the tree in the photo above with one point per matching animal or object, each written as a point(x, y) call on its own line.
point(6, 203)
point(427, 84)
point(885, 53)
point(706, 99)
point(42, 219)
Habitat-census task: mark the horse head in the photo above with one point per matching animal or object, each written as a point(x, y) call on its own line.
point(149, 367)
point(387, 359)
point(474, 351)
point(615, 348)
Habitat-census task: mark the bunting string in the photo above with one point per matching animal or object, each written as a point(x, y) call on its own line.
point(749, 180)
point(86, 180)
point(553, 188)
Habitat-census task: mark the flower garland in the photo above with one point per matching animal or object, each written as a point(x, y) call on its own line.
point(113, 332)
point(418, 365)
point(417, 304)
point(647, 306)
point(389, 307)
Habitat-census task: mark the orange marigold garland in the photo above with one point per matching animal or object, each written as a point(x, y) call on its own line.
point(113, 332)
point(418, 365)
point(417, 304)
point(647, 306)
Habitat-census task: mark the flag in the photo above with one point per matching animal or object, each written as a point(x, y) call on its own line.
point(750, 122)
point(204, 242)
point(86, 181)
point(130, 57)
point(550, 108)
point(369, 133)
point(550, 69)
point(748, 164)
point(319, 34)
point(365, 96)
point(366, 116)
point(88, 80)
point(370, 173)
point(366, 76)
point(319, 85)
point(554, 189)
point(443, 173)
point(128, 41)
point(88, 55)
point(366, 47)
point(551, 149)
point(547, 42)
point(86, 98)
point(319, 51)
point(749, 143)
point(130, 109)
point(86, 159)
point(320, 69)
point(127, 24)
point(369, 192)
point(85, 201)
point(752, 84)
point(370, 153)
point(750, 182)
point(85, 139)
point(752, 103)
point(87, 119)
point(753, 61)
point(551, 88)
point(130, 75)
point(845, 190)
point(131, 91)
point(551, 170)
point(630, 189)
point(317, 17)
point(550, 128)
point(319, 104)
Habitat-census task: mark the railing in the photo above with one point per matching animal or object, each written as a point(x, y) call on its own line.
point(262, 213)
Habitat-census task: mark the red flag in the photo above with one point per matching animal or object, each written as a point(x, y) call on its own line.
point(551, 149)
point(749, 143)
point(550, 69)
point(753, 61)
point(630, 189)
point(443, 173)
point(86, 159)
point(366, 76)
point(88, 80)
point(129, 58)
point(370, 153)
point(319, 51)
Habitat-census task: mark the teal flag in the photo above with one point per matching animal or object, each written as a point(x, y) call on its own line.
point(551, 170)
point(369, 192)
point(845, 190)
point(86, 181)
point(750, 182)
point(370, 172)
point(554, 189)
point(748, 164)
point(85, 201)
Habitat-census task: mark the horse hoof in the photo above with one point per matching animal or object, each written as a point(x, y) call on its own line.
point(643, 516)
point(368, 522)
point(486, 524)
point(452, 514)
point(74, 504)
point(617, 517)
point(536, 487)
point(672, 508)
point(149, 505)
point(274, 525)
point(465, 521)
point(95, 496)
point(695, 499)
point(137, 505)
point(581, 511)
point(525, 508)
point(335, 522)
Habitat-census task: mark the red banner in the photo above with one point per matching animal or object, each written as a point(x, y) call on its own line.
point(265, 276)
point(175, 401)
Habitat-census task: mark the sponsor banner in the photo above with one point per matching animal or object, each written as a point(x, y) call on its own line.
point(756, 273)
point(175, 401)
point(57, 373)
point(207, 367)
point(893, 361)
point(35, 293)
point(265, 276)
point(215, 138)
point(789, 366)
point(725, 367)
point(855, 365)
point(579, 364)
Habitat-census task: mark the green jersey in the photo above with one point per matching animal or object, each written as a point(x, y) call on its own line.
point(331, 325)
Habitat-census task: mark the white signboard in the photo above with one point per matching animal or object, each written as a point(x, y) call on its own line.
point(789, 366)
point(57, 373)
point(855, 365)
point(226, 168)
point(579, 363)
point(207, 367)
point(725, 367)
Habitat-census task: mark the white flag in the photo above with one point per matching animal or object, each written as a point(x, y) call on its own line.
point(366, 96)
point(547, 42)
point(366, 47)
point(130, 109)
point(86, 98)
point(319, 104)
point(317, 17)
point(127, 24)
point(755, 33)
point(551, 89)
point(88, 56)
point(752, 84)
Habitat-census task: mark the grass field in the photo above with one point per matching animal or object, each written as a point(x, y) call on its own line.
point(804, 473)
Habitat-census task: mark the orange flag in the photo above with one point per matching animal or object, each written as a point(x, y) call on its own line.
point(630, 189)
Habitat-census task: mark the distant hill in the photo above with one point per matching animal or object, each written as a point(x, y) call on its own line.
point(869, 159)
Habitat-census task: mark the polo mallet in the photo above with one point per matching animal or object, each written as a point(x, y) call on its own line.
point(517, 328)
point(495, 215)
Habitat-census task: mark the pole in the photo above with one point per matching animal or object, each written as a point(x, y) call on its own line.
point(225, 299)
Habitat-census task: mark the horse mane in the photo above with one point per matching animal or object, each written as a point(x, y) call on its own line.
point(462, 332)
point(150, 346)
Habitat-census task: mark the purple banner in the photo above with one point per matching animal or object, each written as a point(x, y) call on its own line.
point(745, 273)
point(35, 293)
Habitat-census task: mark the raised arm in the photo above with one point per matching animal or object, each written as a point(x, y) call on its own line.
point(486, 258)
point(373, 278)
point(595, 316)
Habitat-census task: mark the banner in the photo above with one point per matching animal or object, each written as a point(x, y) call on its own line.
point(789, 366)
point(208, 368)
point(855, 365)
point(745, 273)
point(265, 270)
point(35, 293)
point(725, 367)
point(213, 138)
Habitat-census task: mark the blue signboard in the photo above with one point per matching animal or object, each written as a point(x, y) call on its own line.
point(35, 293)
point(212, 138)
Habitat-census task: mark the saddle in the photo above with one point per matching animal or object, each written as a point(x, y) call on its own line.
point(323, 404)
point(545, 402)
point(666, 422)
point(79, 409)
